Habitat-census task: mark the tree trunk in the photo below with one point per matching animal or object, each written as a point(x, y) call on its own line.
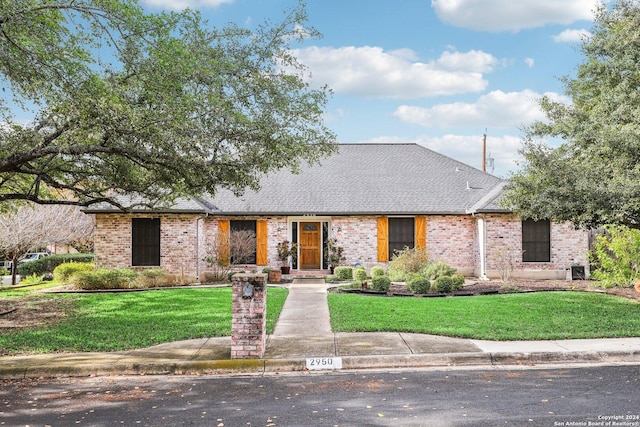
point(14, 269)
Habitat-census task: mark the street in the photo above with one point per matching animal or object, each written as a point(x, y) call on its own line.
point(582, 396)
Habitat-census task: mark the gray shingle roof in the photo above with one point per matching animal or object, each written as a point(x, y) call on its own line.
point(367, 179)
point(362, 179)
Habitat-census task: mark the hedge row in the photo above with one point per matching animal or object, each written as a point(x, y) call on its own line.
point(47, 264)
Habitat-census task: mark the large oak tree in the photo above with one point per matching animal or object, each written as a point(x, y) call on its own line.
point(593, 177)
point(153, 105)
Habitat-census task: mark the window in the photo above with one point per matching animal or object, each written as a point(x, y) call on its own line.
point(401, 234)
point(536, 241)
point(145, 241)
point(243, 248)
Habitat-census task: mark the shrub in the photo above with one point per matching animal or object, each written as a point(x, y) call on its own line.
point(33, 279)
point(343, 273)
point(377, 271)
point(119, 278)
point(444, 284)
point(617, 255)
point(48, 264)
point(458, 281)
point(381, 283)
point(4, 272)
point(152, 278)
point(360, 274)
point(437, 269)
point(419, 285)
point(407, 261)
point(64, 271)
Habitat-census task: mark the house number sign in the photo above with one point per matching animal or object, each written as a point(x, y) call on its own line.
point(318, 363)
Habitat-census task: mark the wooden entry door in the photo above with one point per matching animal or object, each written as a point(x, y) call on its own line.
point(310, 245)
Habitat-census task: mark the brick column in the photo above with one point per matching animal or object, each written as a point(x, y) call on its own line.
point(249, 316)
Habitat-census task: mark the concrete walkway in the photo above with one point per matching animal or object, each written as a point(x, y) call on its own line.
point(304, 320)
point(303, 331)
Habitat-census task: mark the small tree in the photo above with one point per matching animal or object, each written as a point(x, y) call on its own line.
point(334, 254)
point(30, 226)
point(617, 253)
point(287, 250)
point(224, 254)
point(504, 259)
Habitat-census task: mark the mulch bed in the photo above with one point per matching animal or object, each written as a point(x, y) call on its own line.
point(478, 287)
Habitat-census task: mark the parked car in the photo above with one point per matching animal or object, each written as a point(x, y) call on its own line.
point(32, 256)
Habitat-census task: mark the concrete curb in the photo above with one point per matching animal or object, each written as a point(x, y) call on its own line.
point(175, 367)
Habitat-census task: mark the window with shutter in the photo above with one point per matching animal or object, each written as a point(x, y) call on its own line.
point(401, 234)
point(246, 226)
point(145, 242)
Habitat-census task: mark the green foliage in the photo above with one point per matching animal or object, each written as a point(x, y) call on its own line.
point(406, 261)
point(377, 271)
point(458, 281)
point(444, 284)
point(343, 273)
point(47, 264)
point(4, 272)
point(33, 279)
point(63, 272)
point(334, 253)
point(172, 87)
point(380, 283)
point(102, 278)
point(419, 285)
point(437, 269)
point(593, 178)
point(617, 256)
point(360, 274)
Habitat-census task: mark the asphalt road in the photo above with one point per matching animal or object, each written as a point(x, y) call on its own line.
point(585, 396)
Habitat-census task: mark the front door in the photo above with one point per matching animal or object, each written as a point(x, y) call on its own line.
point(310, 245)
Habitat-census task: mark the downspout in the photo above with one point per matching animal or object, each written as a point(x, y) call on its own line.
point(482, 243)
point(198, 245)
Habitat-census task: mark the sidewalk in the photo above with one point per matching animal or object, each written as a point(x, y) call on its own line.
point(303, 331)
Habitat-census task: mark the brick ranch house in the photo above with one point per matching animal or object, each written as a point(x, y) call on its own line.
point(372, 198)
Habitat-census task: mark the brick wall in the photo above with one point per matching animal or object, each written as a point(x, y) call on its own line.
point(359, 238)
point(452, 239)
point(504, 233)
point(177, 243)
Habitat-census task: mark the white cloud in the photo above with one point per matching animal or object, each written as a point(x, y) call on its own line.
point(372, 72)
point(468, 149)
point(530, 62)
point(184, 4)
point(501, 15)
point(496, 109)
point(571, 36)
point(472, 61)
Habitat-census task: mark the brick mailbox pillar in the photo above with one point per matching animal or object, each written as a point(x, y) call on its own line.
point(249, 316)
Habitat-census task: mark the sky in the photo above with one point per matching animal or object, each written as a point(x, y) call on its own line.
point(440, 73)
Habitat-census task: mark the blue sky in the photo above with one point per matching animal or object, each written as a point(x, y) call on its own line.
point(434, 72)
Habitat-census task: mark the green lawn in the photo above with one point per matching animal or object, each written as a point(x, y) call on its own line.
point(120, 321)
point(530, 316)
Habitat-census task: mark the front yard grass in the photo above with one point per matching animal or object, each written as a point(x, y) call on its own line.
point(121, 321)
point(527, 316)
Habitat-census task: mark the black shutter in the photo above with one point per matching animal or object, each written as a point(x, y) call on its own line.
point(145, 242)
